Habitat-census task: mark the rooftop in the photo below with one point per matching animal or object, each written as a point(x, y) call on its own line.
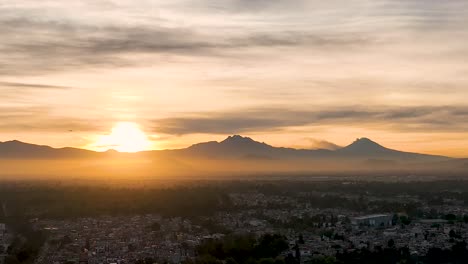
point(371, 216)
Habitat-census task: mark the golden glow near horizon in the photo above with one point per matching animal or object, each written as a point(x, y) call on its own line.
point(292, 73)
point(124, 137)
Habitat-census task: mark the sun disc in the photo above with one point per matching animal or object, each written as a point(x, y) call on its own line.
point(125, 137)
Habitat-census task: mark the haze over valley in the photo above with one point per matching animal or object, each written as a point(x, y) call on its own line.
point(234, 156)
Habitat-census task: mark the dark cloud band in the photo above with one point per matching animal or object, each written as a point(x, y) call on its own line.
point(33, 86)
point(427, 119)
point(33, 47)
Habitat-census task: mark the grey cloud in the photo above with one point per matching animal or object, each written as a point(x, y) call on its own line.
point(426, 118)
point(31, 46)
point(431, 14)
point(58, 124)
point(39, 119)
point(227, 125)
point(322, 144)
point(33, 86)
point(294, 38)
point(34, 44)
point(249, 6)
point(416, 14)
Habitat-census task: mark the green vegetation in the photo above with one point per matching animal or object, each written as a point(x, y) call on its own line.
point(193, 200)
point(67, 202)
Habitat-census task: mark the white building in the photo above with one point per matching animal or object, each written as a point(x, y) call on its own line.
point(377, 220)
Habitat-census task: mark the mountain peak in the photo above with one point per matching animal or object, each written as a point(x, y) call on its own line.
point(237, 139)
point(365, 140)
point(16, 143)
point(364, 145)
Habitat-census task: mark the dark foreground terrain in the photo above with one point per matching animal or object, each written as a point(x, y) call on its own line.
point(257, 221)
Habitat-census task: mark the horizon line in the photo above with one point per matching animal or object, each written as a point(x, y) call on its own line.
point(228, 137)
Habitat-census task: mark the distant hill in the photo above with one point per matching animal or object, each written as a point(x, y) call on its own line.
point(361, 149)
point(244, 147)
point(19, 150)
point(366, 148)
point(234, 154)
point(232, 147)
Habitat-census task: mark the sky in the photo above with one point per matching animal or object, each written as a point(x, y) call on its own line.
point(294, 73)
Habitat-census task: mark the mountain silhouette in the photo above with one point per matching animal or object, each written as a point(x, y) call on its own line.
point(233, 147)
point(19, 150)
point(364, 147)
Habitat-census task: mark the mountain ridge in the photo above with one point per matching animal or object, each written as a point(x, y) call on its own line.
point(232, 146)
point(233, 155)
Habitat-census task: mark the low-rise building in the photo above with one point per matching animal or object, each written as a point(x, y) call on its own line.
point(373, 220)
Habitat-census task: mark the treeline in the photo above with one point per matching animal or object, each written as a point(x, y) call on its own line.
point(210, 197)
point(66, 202)
point(449, 187)
point(27, 241)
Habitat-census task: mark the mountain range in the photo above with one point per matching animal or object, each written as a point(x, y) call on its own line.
point(238, 153)
point(232, 147)
point(241, 147)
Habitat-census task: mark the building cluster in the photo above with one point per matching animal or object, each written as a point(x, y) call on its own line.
point(118, 239)
point(418, 237)
point(5, 240)
point(311, 231)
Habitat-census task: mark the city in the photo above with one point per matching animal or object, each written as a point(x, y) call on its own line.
point(233, 132)
point(316, 222)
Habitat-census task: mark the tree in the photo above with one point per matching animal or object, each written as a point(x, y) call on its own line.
point(290, 259)
point(270, 246)
point(454, 234)
point(156, 226)
point(405, 220)
point(391, 243)
point(231, 261)
point(395, 219)
point(243, 249)
point(301, 239)
point(266, 261)
point(450, 217)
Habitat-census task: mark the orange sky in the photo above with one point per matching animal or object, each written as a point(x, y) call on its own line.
point(287, 72)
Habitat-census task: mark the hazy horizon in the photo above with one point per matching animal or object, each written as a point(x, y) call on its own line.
point(319, 145)
point(295, 73)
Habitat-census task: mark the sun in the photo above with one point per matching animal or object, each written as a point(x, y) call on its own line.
point(124, 137)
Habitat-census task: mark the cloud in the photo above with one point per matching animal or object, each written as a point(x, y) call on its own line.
point(35, 46)
point(403, 119)
point(250, 6)
point(322, 144)
point(56, 37)
point(39, 119)
point(33, 86)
